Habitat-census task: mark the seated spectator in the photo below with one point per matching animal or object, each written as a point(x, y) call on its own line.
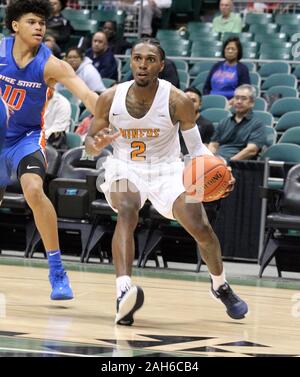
point(50, 42)
point(205, 126)
point(241, 136)
point(57, 119)
point(83, 66)
point(152, 9)
point(225, 76)
point(59, 26)
point(117, 45)
point(103, 57)
point(227, 21)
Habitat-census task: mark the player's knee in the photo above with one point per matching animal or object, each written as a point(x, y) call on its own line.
point(128, 210)
point(33, 194)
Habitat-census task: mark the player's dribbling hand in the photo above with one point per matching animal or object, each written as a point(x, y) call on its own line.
point(104, 137)
point(230, 184)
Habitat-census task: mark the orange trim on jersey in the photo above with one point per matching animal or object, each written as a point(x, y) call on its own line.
point(42, 140)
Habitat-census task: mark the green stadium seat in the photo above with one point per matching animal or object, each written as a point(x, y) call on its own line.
point(278, 79)
point(271, 136)
point(284, 105)
point(254, 78)
point(286, 152)
point(270, 28)
point(268, 69)
point(288, 19)
point(181, 64)
point(76, 14)
point(288, 120)
point(283, 91)
point(292, 135)
point(203, 66)
point(215, 101)
point(216, 115)
point(85, 27)
point(265, 117)
point(258, 18)
point(260, 104)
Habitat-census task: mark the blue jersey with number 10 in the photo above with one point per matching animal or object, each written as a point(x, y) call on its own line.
point(24, 89)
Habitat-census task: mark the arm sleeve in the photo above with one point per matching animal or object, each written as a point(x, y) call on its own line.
point(194, 143)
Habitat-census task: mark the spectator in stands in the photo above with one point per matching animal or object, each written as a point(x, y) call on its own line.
point(59, 26)
point(57, 119)
point(151, 9)
point(205, 126)
point(225, 76)
point(118, 45)
point(103, 57)
point(241, 136)
point(50, 42)
point(227, 21)
point(83, 66)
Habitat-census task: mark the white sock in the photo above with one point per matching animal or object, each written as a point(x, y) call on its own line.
point(123, 283)
point(218, 280)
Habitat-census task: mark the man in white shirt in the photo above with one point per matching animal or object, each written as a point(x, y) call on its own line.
point(57, 115)
point(151, 8)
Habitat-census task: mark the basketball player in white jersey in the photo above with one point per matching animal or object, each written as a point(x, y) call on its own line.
point(147, 113)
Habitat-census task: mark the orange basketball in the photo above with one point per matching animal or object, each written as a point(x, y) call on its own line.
point(206, 178)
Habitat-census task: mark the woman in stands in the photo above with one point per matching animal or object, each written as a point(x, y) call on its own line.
point(225, 76)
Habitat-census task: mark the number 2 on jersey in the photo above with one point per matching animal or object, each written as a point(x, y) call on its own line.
point(137, 153)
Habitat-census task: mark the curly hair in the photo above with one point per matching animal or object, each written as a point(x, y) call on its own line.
point(17, 8)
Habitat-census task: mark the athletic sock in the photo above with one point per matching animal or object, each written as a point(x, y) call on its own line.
point(123, 283)
point(54, 260)
point(218, 280)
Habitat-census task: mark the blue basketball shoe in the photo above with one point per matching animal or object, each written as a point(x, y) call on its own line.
point(129, 302)
point(61, 289)
point(236, 307)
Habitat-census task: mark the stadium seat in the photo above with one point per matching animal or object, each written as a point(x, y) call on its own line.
point(288, 120)
point(71, 194)
point(85, 27)
point(216, 115)
point(184, 78)
point(279, 79)
point(76, 14)
point(202, 66)
point(288, 19)
point(255, 78)
point(214, 101)
point(271, 136)
point(260, 104)
point(265, 117)
point(269, 28)
point(283, 91)
point(283, 217)
point(284, 105)
point(258, 18)
point(268, 69)
point(292, 136)
point(200, 78)
point(181, 64)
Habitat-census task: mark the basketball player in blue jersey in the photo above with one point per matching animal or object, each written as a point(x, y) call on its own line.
point(147, 112)
point(3, 123)
point(27, 71)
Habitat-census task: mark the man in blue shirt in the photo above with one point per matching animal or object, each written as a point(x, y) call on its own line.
point(103, 57)
point(241, 136)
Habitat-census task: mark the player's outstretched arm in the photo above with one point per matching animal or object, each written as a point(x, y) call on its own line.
point(60, 71)
point(99, 134)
